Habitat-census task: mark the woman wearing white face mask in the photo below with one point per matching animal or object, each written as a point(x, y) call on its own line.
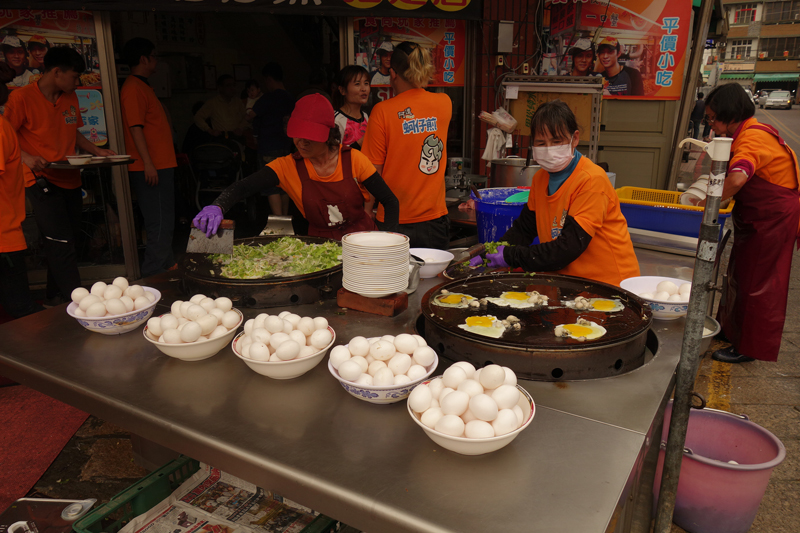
point(572, 208)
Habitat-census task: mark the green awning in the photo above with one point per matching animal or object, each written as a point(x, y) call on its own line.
point(737, 76)
point(778, 76)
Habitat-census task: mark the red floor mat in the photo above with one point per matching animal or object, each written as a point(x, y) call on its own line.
point(34, 428)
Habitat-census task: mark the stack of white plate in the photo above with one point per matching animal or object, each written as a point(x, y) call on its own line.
point(375, 263)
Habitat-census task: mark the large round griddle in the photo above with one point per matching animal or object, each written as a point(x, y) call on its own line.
point(535, 352)
point(201, 275)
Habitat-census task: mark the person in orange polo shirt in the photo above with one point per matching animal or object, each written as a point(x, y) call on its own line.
point(148, 138)
point(572, 208)
point(46, 117)
point(15, 295)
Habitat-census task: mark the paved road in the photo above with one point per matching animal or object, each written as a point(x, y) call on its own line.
point(787, 121)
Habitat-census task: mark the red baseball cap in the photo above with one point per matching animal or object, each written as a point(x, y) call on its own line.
point(311, 119)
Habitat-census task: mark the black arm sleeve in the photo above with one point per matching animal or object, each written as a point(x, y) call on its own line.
point(384, 195)
point(553, 255)
point(239, 190)
point(523, 231)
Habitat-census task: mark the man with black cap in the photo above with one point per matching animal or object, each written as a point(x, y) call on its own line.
point(620, 80)
point(583, 58)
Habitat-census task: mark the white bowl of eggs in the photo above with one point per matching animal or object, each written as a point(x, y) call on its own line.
point(382, 369)
point(668, 298)
point(435, 261)
point(283, 346)
point(472, 412)
point(113, 309)
point(196, 329)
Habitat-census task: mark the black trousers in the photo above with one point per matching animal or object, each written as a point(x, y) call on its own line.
point(58, 216)
point(15, 296)
point(429, 234)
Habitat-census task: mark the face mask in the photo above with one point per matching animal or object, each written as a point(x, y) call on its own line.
point(553, 158)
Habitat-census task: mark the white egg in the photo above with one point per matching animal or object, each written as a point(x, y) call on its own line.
point(468, 416)
point(175, 308)
point(365, 379)
point(320, 323)
point(182, 321)
point(435, 403)
point(184, 309)
point(79, 294)
point(647, 295)
point(416, 372)
point(259, 351)
point(154, 326)
point(339, 354)
point(468, 369)
point(511, 377)
point(223, 304)
point(191, 331)
point(127, 302)
point(483, 407)
point(506, 396)
point(684, 297)
point(219, 331)
point(360, 361)
point(172, 336)
point(88, 301)
point(520, 415)
point(120, 282)
point(373, 340)
point(420, 399)
point(293, 319)
point(677, 297)
point(288, 350)
point(478, 429)
point(382, 350)
point(667, 286)
point(383, 378)
point(112, 292)
point(274, 359)
point(116, 307)
point(258, 320)
point(471, 387)
point(306, 326)
point(245, 351)
point(663, 296)
point(151, 335)
point(194, 312)
point(273, 324)
point(230, 319)
point(453, 377)
point(359, 346)
point(208, 324)
point(401, 379)
point(96, 310)
point(685, 288)
point(140, 303)
point(243, 341)
point(506, 422)
point(260, 335)
point(202, 338)
point(424, 356)
point(150, 296)
point(305, 351)
point(98, 289)
point(431, 416)
point(369, 359)
point(248, 325)
point(320, 338)
point(134, 291)
point(436, 387)
point(168, 322)
point(298, 337)
point(405, 343)
point(420, 340)
point(477, 376)
point(287, 326)
point(276, 339)
point(351, 371)
point(388, 338)
point(455, 403)
point(207, 304)
point(197, 298)
point(374, 366)
point(492, 376)
point(443, 394)
point(399, 364)
point(450, 425)
point(283, 314)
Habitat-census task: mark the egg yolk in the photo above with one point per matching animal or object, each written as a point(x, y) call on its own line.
point(483, 321)
point(578, 331)
point(453, 298)
point(603, 305)
point(515, 296)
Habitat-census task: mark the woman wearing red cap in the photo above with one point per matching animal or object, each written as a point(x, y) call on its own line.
point(322, 178)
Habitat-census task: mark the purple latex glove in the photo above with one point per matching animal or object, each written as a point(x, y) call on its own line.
point(476, 261)
point(496, 260)
point(208, 219)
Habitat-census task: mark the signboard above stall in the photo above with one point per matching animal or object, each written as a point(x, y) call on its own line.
point(461, 9)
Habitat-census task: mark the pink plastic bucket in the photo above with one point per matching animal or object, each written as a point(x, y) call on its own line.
point(715, 496)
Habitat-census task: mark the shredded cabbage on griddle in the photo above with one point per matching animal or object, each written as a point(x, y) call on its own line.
point(284, 257)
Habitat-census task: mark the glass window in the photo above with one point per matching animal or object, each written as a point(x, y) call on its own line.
point(782, 11)
point(740, 49)
point(745, 13)
point(781, 46)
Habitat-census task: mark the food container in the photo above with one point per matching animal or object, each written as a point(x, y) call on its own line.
point(662, 309)
point(117, 324)
point(435, 261)
point(119, 157)
point(199, 350)
point(79, 159)
point(284, 369)
point(466, 446)
point(511, 172)
point(715, 328)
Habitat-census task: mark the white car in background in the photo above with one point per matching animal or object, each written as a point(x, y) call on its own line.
point(779, 99)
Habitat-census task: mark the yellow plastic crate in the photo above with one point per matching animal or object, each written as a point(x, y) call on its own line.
point(658, 198)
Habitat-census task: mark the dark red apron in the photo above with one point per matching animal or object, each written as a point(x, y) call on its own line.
point(753, 307)
point(336, 208)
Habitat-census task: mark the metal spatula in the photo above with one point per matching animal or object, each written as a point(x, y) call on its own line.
point(221, 243)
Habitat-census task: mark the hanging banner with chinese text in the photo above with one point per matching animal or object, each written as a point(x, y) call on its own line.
point(637, 46)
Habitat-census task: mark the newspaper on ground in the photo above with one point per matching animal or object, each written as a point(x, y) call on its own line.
point(212, 501)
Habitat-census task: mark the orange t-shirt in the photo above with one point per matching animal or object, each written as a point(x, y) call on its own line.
point(770, 161)
point(407, 134)
point(587, 196)
point(12, 191)
point(286, 170)
point(141, 107)
point(46, 130)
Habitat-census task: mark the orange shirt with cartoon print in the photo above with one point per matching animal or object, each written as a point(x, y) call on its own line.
point(286, 170)
point(46, 130)
point(757, 152)
point(12, 191)
point(407, 134)
point(141, 107)
point(588, 197)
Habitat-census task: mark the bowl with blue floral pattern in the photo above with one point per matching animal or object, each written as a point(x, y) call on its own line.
point(662, 309)
point(118, 324)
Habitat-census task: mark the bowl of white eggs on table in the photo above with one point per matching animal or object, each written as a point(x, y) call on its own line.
point(283, 346)
point(113, 309)
point(470, 411)
point(382, 369)
point(668, 298)
point(195, 329)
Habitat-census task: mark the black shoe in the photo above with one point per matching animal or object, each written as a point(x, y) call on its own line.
point(729, 355)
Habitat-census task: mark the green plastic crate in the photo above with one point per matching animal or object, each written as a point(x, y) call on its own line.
point(150, 491)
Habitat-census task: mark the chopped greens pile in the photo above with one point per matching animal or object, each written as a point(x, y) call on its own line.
point(491, 248)
point(284, 257)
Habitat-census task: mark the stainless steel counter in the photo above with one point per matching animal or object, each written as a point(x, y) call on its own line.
point(367, 465)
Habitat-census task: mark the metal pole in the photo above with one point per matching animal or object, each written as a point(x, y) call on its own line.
point(693, 333)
